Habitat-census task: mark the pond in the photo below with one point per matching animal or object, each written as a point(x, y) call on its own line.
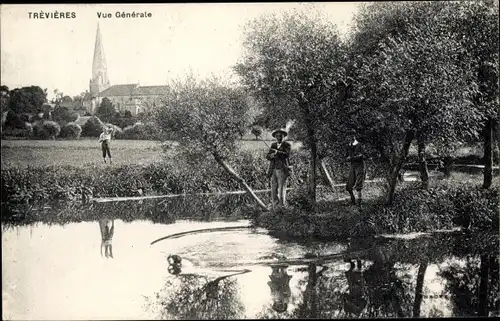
point(109, 269)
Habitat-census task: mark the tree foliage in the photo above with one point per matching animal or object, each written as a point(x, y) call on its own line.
point(4, 98)
point(294, 64)
point(106, 110)
point(27, 99)
point(71, 131)
point(411, 82)
point(205, 117)
point(256, 131)
point(93, 127)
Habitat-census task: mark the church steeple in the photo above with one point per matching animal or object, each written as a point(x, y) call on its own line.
point(99, 81)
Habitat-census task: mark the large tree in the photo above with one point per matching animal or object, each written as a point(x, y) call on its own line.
point(27, 100)
point(413, 84)
point(476, 22)
point(294, 64)
point(206, 119)
point(106, 110)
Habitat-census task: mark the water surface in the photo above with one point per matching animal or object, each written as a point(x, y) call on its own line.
point(58, 272)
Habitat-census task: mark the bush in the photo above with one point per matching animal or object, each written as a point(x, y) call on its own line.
point(13, 120)
point(46, 129)
point(71, 131)
point(63, 115)
point(169, 177)
point(117, 131)
point(256, 131)
point(93, 127)
point(137, 131)
point(143, 131)
point(25, 132)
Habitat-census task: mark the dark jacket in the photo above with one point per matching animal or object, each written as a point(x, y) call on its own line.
point(356, 153)
point(281, 160)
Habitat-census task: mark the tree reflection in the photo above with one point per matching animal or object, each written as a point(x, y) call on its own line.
point(474, 288)
point(387, 294)
point(194, 297)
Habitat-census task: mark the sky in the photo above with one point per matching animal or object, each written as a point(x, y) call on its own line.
point(203, 39)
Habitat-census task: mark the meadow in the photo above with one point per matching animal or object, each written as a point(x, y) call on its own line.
point(84, 152)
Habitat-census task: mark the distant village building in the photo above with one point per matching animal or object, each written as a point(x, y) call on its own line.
point(131, 97)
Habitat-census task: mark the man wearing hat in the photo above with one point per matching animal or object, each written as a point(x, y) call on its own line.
point(105, 139)
point(357, 172)
point(279, 168)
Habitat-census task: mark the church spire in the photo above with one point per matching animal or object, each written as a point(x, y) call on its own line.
point(99, 81)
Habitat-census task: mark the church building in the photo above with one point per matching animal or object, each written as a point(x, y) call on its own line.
point(131, 97)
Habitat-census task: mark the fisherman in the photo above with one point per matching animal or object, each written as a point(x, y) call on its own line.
point(357, 173)
point(279, 167)
point(105, 140)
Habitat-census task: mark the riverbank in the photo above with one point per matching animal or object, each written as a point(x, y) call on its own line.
point(445, 205)
point(448, 203)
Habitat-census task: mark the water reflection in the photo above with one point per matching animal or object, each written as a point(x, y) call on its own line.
point(354, 300)
point(280, 287)
point(474, 286)
point(193, 296)
point(107, 228)
point(241, 274)
point(168, 210)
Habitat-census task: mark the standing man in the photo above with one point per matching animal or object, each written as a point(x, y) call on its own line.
point(357, 172)
point(105, 140)
point(279, 167)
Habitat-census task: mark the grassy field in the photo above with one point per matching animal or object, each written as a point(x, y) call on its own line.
point(88, 152)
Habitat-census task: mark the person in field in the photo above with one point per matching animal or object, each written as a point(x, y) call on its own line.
point(279, 167)
point(357, 173)
point(105, 140)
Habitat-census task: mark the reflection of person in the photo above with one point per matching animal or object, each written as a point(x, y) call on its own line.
point(280, 288)
point(279, 169)
point(357, 172)
point(105, 140)
point(355, 301)
point(107, 233)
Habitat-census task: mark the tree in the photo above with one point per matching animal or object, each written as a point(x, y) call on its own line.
point(106, 110)
point(413, 86)
point(58, 95)
point(206, 118)
point(4, 98)
point(294, 66)
point(477, 23)
point(27, 100)
point(4, 103)
point(256, 131)
point(63, 115)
